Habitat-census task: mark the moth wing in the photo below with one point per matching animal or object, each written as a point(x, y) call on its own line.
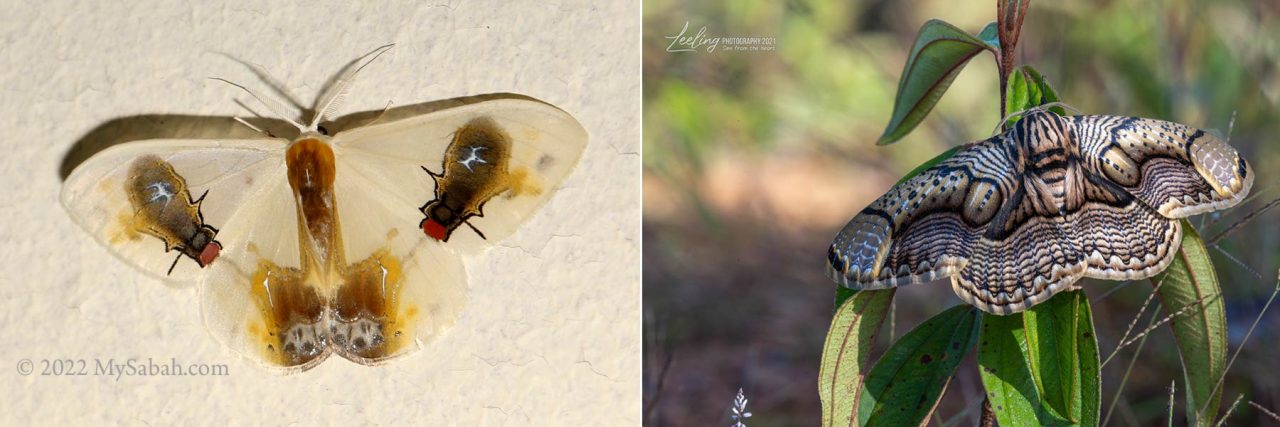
point(1177, 170)
point(546, 144)
point(1034, 261)
point(399, 289)
point(1127, 241)
point(925, 227)
point(257, 300)
point(225, 173)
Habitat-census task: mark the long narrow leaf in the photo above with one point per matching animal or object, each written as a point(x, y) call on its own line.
point(1041, 367)
point(1201, 332)
point(1006, 375)
point(847, 348)
point(1089, 411)
point(905, 384)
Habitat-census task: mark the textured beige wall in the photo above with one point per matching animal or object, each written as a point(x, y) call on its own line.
point(551, 334)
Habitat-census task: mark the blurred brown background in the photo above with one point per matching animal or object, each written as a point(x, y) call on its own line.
point(753, 161)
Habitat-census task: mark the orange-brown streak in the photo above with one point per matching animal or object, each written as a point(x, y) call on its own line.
point(311, 175)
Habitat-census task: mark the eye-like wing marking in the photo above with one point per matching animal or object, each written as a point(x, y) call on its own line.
point(925, 228)
point(1177, 170)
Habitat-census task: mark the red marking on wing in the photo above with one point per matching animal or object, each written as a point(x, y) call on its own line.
point(210, 253)
point(433, 229)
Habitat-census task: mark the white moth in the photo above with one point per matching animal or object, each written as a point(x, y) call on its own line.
point(344, 244)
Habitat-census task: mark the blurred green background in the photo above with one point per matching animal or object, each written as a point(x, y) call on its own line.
point(753, 161)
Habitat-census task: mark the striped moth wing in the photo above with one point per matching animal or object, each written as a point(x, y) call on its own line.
point(1016, 218)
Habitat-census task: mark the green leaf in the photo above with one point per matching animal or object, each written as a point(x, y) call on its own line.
point(990, 35)
point(843, 294)
point(1017, 98)
point(1063, 352)
point(1041, 367)
point(1006, 374)
point(1028, 89)
point(905, 384)
point(1052, 352)
point(940, 51)
point(1090, 386)
point(1201, 330)
point(1047, 93)
point(847, 348)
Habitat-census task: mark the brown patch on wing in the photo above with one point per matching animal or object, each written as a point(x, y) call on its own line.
point(292, 330)
point(368, 321)
point(476, 168)
point(163, 208)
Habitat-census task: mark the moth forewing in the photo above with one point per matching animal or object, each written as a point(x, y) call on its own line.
point(139, 199)
point(545, 145)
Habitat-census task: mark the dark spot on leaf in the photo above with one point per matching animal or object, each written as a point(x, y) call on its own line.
point(955, 345)
point(1087, 335)
point(925, 359)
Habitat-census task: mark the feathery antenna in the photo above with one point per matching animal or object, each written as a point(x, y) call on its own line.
point(273, 107)
point(333, 97)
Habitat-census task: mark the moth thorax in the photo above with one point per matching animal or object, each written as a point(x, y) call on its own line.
point(1040, 134)
point(311, 173)
point(310, 164)
point(1045, 142)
